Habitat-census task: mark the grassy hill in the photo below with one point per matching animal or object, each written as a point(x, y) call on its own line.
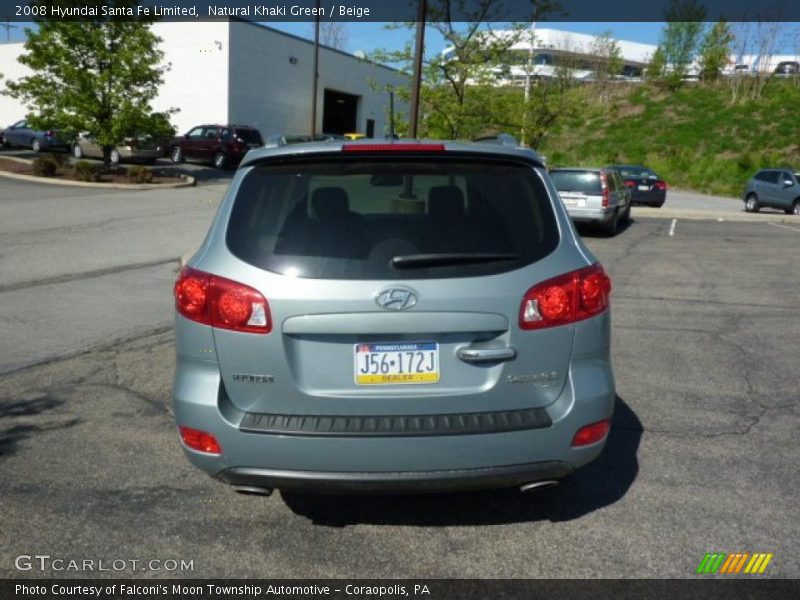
point(695, 138)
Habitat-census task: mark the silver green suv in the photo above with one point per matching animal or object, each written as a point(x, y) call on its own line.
point(401, 316)
point(773, 188)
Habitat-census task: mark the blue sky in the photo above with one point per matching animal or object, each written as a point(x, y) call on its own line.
point(369, 36)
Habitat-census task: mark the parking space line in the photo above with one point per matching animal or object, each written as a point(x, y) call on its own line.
point(672, 227)
point(784, 226)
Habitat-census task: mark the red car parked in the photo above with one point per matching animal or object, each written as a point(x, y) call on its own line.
point(221, 145)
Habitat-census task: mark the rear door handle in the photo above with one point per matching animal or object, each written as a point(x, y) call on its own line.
point(469, 354)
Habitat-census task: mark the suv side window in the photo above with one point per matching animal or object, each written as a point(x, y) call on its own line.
point(618, 183)
point(611, 181)
point(195, 133)
point(210, 133)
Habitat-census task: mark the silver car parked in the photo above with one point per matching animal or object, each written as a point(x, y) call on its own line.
point(393, 316)
point(143, 148)
point(596, 196)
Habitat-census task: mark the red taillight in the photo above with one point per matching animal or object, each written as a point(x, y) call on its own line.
point(604, 185)
point(565, 299)
point(221, 303)
point(662, 185)
point(591, 434)
point(630, 184)
point(401, 147)
point(200, 440)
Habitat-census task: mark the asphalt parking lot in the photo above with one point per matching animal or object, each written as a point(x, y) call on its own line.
point(702, 456)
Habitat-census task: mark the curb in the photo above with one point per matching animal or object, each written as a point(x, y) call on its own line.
point(189, 181)
point(711, 215)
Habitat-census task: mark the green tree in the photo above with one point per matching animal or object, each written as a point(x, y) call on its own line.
point(657, 65)
point(680, 38)
point(606, 56)
point(457, 98)
point(715, 51)
point(96, 76)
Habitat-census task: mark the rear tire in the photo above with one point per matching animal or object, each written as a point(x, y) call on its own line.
point(114, 157)
point(795, 209)
point(626, 216)
point(610, 228)
point(176, 154)
point(751, 203)
point(220, 160)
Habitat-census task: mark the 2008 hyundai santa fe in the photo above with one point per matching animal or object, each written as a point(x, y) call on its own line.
point(407, 316)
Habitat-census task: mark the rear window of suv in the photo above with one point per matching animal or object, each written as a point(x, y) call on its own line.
point(249, 136)
point(372, 218)
point(587, 182)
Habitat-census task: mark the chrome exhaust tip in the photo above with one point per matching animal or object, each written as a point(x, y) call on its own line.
point(537, 485)
point(251, 489)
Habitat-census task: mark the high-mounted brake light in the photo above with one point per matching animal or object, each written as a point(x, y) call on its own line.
point(221, 302)
point(565, 299)
point(393, 147)
point(199, 441)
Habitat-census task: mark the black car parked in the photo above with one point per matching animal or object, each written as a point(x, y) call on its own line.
point(645, 185)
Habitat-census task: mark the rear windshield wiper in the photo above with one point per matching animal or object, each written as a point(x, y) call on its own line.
point(413, 261)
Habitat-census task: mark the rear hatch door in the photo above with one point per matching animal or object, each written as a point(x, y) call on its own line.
point(394, 286)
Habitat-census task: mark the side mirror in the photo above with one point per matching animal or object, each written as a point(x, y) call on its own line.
point(788, 183)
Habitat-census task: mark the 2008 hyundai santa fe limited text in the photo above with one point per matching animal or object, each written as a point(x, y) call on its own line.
point(400, 316)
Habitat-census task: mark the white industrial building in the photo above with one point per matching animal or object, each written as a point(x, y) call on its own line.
point(548, 49)
point(245, 73)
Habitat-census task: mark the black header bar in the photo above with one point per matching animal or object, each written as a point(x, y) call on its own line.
point(390, 10)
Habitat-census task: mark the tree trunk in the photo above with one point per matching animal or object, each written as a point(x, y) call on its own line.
point(107, 156)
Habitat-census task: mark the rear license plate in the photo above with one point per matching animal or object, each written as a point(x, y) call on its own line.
point(644, 188)
point(396, 362)
point(574, 201)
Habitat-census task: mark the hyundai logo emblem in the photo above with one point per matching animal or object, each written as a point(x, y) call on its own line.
point(396, 299)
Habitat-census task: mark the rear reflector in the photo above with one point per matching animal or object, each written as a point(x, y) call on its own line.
point(565, 299)
point(200, 440)
point(221, 302)
point(401, 147)
point(591, 434)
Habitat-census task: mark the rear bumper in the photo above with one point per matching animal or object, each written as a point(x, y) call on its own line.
point(444, 451)
point(401, 481)
point(51, 142)
point(649, 198)
point(591, 215)
point(128, 153)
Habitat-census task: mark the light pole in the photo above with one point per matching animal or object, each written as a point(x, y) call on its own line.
point(528, 73)
point(316, 76)
point(418, 51)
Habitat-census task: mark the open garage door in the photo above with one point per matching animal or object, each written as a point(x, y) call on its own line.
point(339, 112)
